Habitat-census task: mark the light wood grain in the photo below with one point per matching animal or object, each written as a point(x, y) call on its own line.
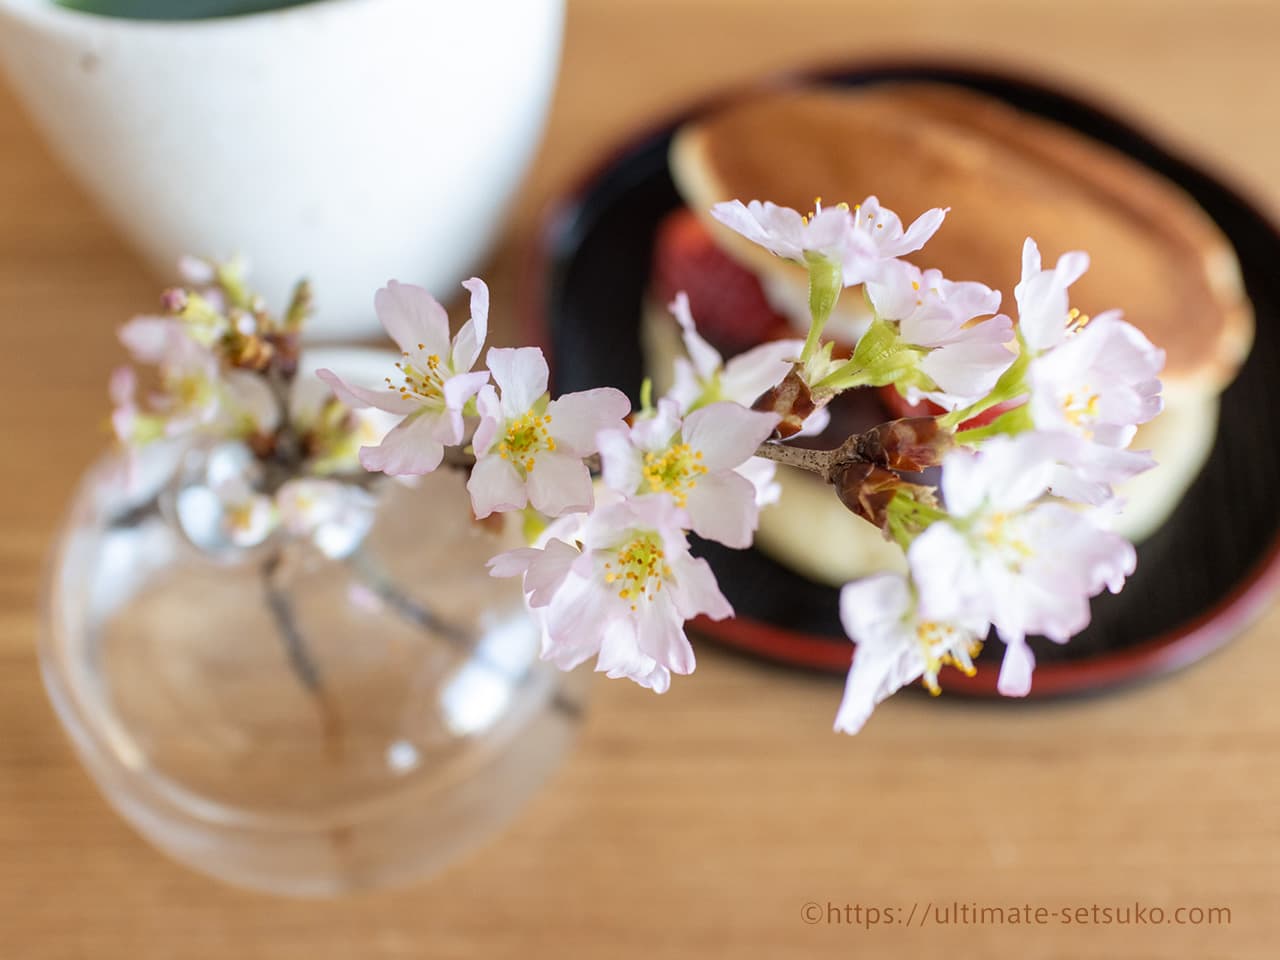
point(697, 824)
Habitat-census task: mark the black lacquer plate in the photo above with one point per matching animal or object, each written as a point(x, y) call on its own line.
point(1202, 577)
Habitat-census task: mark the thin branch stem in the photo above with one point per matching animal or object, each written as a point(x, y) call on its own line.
point(821, 462)
point(433, 625)
point(300, 660)
point(814, 461)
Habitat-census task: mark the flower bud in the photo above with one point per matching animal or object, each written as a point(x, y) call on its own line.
point(791, 400)
point(174, 300)
point(912, 444)
point(867, 490)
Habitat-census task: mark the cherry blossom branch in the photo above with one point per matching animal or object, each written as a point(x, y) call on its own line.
point(821, 462)
point(300, 660)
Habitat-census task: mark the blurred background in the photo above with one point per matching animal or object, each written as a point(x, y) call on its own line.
point(701, 823)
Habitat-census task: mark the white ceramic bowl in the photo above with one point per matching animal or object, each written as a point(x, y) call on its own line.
point(350, 140)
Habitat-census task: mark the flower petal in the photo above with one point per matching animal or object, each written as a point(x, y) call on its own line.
point(1016, 669)
point(577, 419)
point(559, 484)
point(495, 484)
point(706, 359)
point(470, 340)
point(521, 375)
point(620, 656)
point(462, 387)
point(722, 507)
point(620, 460)
point(750, 374)
point(727, 434)
point(250, 401)
point(411, 316)
point(411, 449)
point(695, 590)
point(490, 410)
point(877, 672)
point(660, 634)
point(359, 397)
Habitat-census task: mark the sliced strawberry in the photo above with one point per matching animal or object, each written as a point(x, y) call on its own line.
point(726, 298)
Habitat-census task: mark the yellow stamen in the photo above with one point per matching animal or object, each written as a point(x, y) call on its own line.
point(674, 471)
point(525, 438)
point(643, 565)
point(425, 384)
point(1076, 321)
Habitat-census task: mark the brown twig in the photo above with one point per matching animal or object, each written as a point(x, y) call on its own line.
point(820, 462)
point(306, 669)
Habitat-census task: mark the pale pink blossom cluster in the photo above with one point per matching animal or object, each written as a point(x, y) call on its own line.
point(223, 369)
point(1017, 544)
point(612, 575)
point(1012, 540)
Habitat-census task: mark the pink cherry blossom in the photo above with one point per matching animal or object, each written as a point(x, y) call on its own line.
point(962, 358)
point(693, 463)
point(1006, 555)
point(1042, 296)
point(860, 240)
point(149, 339)
point(1099, 383)
point(1094, 380)
point(247, 516)
point(895, 645)
point(705, 377)
point(333, 515)
point(125, 413)
point(195, 393)
point(529, 450)
point(786, 233)
point(623, 596)
point(433, 380)
point(878, 238)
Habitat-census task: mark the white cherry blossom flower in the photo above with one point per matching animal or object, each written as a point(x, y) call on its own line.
point(1042, 296)
point(1093, 379)
point(960, 359)
point(433, 379)
point(896, 646)
point(334, 515)
point(131, 426)
point(705, 378)
point(880, 239)
point(623, 596)
point(786, 233)
point(150, 339)
point(201, 271)
point(195, 393)
point(1086, 471)
point(1005, 555)
point(332, 432)
point(529, 450)
point(248, 517)
point(692, 462)
point(860, 240)
point(1100, 383)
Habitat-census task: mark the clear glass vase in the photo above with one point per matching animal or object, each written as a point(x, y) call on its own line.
point(291, 722)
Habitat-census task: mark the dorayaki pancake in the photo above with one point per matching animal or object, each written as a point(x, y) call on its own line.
point(1005, 175)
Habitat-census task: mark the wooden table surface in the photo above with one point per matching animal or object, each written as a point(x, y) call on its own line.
point(700, 823)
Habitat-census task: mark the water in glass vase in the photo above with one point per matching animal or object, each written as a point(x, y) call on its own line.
point(176, 9)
